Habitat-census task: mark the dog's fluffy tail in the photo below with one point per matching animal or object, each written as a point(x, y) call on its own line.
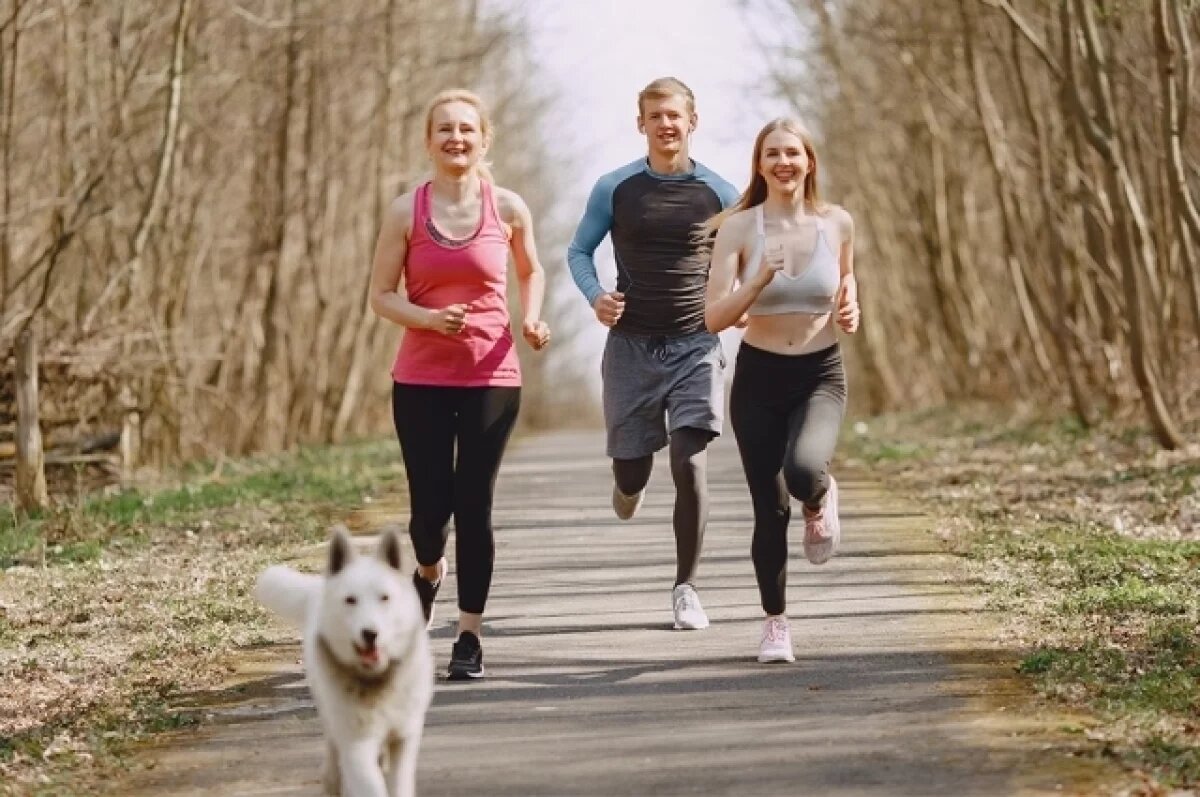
point(287, 592)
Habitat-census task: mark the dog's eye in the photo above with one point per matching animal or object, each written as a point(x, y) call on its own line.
point(383, 597)
point(351, 600)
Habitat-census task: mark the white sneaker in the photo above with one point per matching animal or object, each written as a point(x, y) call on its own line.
point(626, 505)
point(689, 614)
point(823, 532)
point(776, 644)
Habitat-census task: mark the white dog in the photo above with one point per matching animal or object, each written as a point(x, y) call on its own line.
point(367, 662)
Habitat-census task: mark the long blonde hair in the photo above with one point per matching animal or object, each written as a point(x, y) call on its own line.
point(756, 192)
point(485, 121)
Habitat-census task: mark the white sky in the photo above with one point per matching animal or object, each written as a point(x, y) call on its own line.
point(600, 53)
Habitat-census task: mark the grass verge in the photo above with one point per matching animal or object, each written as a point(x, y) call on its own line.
point(1089, 542)
point(113, 605)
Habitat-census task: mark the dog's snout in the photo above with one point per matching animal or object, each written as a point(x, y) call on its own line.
point(369, 638)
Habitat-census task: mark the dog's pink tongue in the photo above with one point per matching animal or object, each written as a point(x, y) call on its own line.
point(369, 656)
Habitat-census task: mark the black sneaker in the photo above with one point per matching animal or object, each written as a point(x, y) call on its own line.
point(428, 590)
point(466, 658)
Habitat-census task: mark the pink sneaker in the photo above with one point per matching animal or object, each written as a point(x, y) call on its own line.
point(776, 644)
point(823, 532)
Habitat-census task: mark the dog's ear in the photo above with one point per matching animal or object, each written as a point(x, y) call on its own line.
point(341, 550)
point(389, 546)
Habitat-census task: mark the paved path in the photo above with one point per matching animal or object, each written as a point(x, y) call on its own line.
point(896, 690)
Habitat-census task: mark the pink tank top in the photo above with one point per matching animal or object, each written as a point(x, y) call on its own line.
point(441, 271)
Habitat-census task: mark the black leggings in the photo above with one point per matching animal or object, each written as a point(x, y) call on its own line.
point(452, 439)
point(689, 471)
point(785, 411)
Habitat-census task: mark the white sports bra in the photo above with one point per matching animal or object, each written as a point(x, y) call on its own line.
point(812, 290)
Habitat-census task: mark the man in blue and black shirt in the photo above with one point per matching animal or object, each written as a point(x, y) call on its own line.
point(662, 370)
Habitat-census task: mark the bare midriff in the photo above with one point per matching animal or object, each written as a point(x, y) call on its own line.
point(791, 333)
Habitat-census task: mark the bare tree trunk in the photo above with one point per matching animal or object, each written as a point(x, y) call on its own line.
point(942, 273)
point(1129, 223)
point(8, 102)
point(66, 217)
point(31, 472)
point(361, 348)
point(1174, 66)
point(153, 209)
point(154, 205)
point(1029, 301)
point(885, 383)
point(306, 404)
point(1063, 337)
point(273, 383)
point(131, 434)
point(353, 386)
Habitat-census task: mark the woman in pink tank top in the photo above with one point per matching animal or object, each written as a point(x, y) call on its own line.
point(440, 272)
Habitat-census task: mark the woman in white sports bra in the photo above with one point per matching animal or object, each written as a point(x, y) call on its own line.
point(783, 267)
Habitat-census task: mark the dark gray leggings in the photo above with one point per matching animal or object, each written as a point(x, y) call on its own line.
point(785, 411)
point(689, 466)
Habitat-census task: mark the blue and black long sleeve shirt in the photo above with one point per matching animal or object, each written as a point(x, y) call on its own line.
point(652, 219)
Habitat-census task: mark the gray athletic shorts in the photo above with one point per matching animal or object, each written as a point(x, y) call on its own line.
point(648, 377)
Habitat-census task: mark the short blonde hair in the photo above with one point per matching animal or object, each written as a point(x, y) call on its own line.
point(663, 87)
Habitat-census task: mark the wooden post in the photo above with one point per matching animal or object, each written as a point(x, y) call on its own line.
point(31, 465)
point(131, 434)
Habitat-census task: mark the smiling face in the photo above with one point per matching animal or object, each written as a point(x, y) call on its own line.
point(784, 161)
point(667, 122)
point(456, 137)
